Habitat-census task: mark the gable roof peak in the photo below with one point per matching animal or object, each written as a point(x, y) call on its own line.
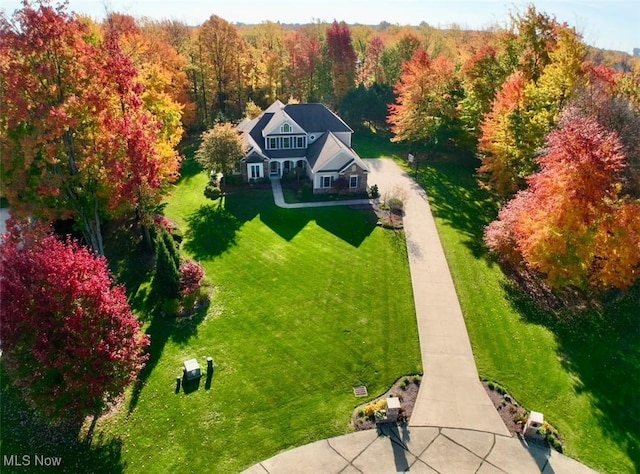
point(276, 106)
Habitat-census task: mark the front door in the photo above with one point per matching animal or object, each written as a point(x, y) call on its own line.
point(274, 168)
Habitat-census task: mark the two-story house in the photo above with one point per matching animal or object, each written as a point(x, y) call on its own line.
point(302, 138)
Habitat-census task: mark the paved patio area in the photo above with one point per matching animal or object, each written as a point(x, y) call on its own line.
point(419, 450)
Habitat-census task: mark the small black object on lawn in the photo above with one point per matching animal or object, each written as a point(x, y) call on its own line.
point(178, 379)
point(207, 385)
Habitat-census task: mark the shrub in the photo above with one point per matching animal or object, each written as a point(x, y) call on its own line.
point(300, 172)
point(374, 192)
point(395, 205)
point(233, 180)
point(177, 236)
point(170, 307)
point(340, 185)
point(166, 280)
point(372, 408)
point(212, 192)
point(191, 275)
point(171, 243)
point(290, 177)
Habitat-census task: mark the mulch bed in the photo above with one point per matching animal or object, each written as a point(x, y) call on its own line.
point(407, 398)
point(387, 218)
point(514, 417)
point(512, 414)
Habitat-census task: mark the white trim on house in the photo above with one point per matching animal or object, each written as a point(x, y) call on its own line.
point(255, 170)
point(323, 182)
point(351, 178)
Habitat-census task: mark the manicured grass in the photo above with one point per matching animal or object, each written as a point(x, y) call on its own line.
point(306, 305)
point(581, 370)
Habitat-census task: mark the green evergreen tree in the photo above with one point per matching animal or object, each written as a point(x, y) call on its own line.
point(172, 247)
point(166, 281)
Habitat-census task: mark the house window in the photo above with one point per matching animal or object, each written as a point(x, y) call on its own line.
point(255, 171)
point(286, 142)
point(300, 142)
point(286, 128)
point(272, 143)
point(326, 182)
point(353, 182)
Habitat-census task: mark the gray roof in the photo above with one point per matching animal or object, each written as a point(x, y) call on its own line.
point(313, 118)
point(316, 118)
point(254, 157)
point(256, 131)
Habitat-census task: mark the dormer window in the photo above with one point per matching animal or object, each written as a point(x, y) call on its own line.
point(285, 128)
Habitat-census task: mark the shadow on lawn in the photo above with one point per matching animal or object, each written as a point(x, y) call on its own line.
point(161, 330)
point(211, 230)
point(455, 197)
point(25, 433)
point(602, 349)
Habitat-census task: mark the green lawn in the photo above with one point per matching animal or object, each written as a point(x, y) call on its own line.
point(581, 370)
point(306, 304)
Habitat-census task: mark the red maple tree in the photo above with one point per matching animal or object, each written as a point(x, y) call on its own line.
point(342, 59)
point(70, 342)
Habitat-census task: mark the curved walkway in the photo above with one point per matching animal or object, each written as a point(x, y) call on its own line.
point(454, 426)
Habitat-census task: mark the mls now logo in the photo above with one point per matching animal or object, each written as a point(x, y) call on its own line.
point(27, 460)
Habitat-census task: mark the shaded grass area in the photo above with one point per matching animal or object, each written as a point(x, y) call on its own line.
point(581, 370)
point(25, 435)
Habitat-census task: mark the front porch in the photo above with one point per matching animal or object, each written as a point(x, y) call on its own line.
point(279, 168)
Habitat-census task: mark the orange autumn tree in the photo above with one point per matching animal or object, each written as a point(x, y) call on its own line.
point(427, 97)
point(524, 112)
point(77, 141)
point(574, 224)
point(498, 140)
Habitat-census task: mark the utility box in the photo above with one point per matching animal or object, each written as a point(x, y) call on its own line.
point(393, 408)
point(192, 370)
point(534, 423)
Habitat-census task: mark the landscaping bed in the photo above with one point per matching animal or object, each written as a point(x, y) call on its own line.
point(405, 388)
point(515, 416)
